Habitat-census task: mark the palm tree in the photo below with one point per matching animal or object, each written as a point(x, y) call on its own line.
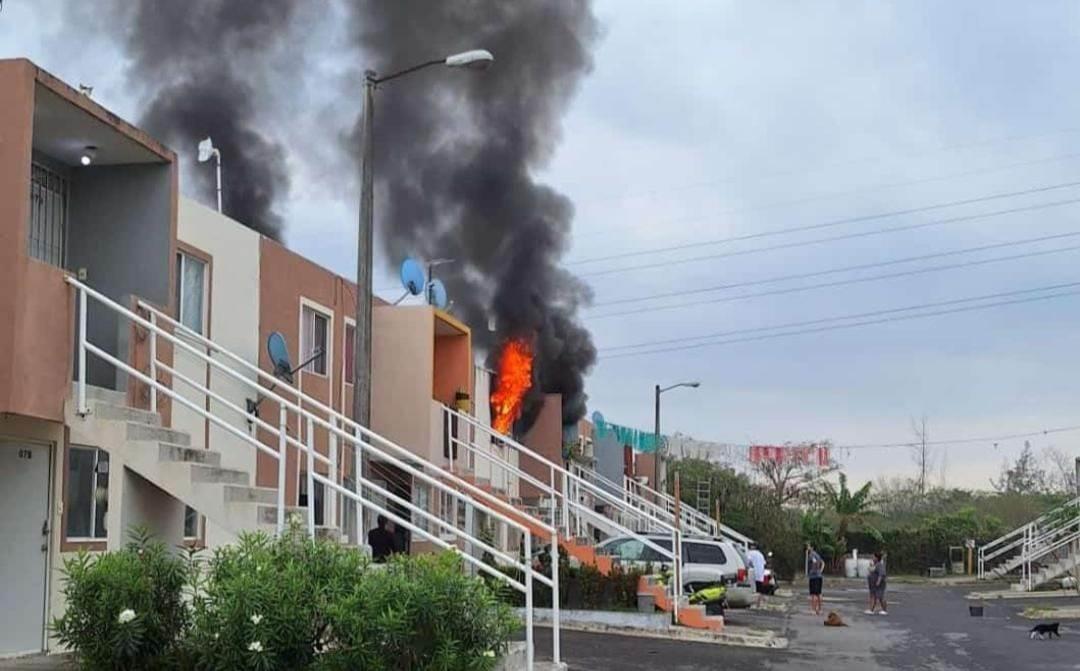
point(849, 508)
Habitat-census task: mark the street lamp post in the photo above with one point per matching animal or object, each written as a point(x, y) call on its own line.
point(656, 430)
point(475, 60)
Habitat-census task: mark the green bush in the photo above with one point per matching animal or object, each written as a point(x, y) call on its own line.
point(263, 603)
point(125, 609)
point(418, 613)
point(267, 604)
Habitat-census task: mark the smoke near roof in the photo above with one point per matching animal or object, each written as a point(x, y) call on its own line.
point(456, 154)
point(198, 62)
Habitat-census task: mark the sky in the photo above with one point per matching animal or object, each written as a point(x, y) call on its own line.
point(707, 120)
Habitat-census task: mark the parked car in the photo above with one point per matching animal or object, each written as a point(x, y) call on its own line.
point(704, 562)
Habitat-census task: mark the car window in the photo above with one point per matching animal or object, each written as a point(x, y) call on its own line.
point(702, 553)
point(651, 555)
point(625, 549)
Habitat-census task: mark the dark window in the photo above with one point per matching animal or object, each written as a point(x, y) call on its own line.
point(701, 553)
point(87, 492)
point(650, 554)
point(191, 523)
point(314, 340)
point(350, 347)
point(48, 215)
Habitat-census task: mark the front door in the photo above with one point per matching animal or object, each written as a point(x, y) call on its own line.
point(24, 514)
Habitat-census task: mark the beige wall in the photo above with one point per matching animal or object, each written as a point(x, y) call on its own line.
point(402, 352)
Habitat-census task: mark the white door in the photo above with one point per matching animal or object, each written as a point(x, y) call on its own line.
point(24, 514)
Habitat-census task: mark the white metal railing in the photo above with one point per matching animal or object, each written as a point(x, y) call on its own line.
point(565, 492)
point(691, 516)
point(1020, 538)
point(1037, 546)
point(361, 440)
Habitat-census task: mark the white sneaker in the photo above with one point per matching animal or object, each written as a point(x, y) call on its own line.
point(884, 612)
point(868, 612)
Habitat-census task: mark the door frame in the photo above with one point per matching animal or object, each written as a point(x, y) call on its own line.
point(8, 441)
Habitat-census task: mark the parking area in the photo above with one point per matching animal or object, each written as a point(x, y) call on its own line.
point(928, 627)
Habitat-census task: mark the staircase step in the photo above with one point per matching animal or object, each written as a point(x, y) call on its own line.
point(229, 476)
point(267, 514)
point(138, 431)
point(194, 455)
point(104, 410)
point(244, 494)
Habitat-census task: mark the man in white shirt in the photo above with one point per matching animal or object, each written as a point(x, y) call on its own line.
point(757, 565)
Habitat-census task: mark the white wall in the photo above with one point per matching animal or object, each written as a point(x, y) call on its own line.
point(233, 324)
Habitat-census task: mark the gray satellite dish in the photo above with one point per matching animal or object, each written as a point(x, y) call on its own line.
point(437, 294)
point(279, 356)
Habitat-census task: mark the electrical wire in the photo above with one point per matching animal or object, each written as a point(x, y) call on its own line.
point(842, 269)
point(801, 331)
point(828, 224)
point(829, 195)
point(834, 238)
point(838, 283)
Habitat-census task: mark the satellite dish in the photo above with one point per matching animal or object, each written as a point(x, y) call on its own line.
point(437, 294)
point(206, 150)
point(412, 276)
point(279, 356)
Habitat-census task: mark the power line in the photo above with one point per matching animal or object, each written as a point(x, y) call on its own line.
point(861, 190)
point(834, 238)
point(838, 283)
point(842, 269)
point(800, 331)
point(830, 224)
point(782, 173)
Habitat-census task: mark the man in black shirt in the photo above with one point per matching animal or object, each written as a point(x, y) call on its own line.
point(382, 540)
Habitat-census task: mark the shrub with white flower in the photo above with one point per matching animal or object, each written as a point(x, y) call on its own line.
point(126, 615)
point(256, 619)
point(255, 646)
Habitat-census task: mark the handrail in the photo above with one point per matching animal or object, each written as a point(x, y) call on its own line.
point(688, 514)
point(571, 503)
point(358, 441)
point(1021, 536)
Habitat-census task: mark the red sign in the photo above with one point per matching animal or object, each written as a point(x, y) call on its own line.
point(809, 455)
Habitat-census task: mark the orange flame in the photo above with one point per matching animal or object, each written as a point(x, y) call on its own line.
point(514, 381)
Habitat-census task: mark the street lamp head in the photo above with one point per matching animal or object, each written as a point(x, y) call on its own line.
point(206, 150)
point(89, 153)
point(695, 384)
point(477, 59)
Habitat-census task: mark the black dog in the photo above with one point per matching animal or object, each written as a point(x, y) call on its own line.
point(1041, 631)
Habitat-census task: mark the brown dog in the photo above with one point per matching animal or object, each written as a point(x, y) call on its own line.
point(833, 620)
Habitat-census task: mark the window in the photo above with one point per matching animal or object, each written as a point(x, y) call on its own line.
point(320, 497)
point(191, 291)
point(191, 523)
point(314, 340)
point(87, 493)
point(48, 215)
point(349, 350)
point(701, 553)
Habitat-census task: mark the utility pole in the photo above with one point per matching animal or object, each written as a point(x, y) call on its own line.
point(656, 442)
point(364, 259)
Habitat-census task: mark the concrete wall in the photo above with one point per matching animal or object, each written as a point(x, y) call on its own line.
point(36, 309)
point(608, 452)
point(545, 438)
point(233, 323)
point(120, 231)
point(403, 352)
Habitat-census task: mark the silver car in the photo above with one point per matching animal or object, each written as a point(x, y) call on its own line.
point(705, 562)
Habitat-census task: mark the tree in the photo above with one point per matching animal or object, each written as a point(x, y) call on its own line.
point(1024, 477)
point(791, 479)
point(1062, 476)
point(921, 452)
point(849, 507)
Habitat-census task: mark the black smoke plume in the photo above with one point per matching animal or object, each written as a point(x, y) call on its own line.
point(456, 153)
point(199, 62)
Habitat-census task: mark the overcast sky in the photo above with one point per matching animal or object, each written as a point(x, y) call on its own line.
point(708, 120)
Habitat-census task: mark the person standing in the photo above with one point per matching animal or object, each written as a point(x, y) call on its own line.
point(871, 598)
point(382, 539)
point(757, 564)
point(877, 583)
point(815, 568)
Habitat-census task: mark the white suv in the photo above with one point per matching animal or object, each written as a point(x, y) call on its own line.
point(704, 562)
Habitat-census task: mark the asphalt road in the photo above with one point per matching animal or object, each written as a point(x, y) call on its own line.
point(928, 628)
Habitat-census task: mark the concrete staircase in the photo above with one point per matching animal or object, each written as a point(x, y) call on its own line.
point(136, 440)
point(1050, 567)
